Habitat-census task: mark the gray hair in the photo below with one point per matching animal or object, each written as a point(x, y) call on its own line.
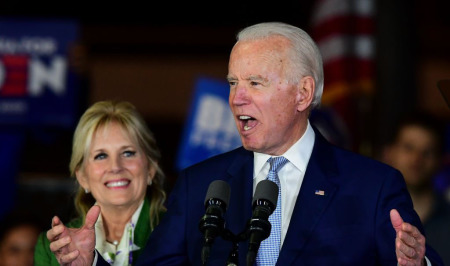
point(306, 57)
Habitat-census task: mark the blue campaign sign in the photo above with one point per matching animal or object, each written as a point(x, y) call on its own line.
point(36, 84)
point(210, 128)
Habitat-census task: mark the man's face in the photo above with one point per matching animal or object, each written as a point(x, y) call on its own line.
point(266, 106)
point(415, 154)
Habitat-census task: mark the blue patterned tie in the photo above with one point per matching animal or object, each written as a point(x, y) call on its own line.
point(270, 248)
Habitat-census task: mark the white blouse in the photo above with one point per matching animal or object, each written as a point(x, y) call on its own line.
point(117, 253)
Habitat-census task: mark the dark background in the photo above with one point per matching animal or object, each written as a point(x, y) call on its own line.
point(151, 54)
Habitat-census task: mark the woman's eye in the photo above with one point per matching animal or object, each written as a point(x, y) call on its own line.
point(100, 156)
point(129, 153)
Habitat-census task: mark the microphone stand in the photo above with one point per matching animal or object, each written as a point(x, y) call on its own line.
point(233, 257)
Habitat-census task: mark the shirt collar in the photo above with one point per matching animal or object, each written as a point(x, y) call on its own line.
point(100, 230)
point(298, 154)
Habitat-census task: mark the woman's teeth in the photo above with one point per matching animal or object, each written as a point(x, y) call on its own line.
point(117, 184)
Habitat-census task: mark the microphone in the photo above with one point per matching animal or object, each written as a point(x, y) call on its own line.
point(264, 203)
point(212, 223)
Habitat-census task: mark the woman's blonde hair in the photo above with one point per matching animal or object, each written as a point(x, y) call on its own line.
point(104, 113)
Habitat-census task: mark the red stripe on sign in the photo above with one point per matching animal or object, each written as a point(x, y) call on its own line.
point(16, 75)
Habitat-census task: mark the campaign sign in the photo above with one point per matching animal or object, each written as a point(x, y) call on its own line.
point(36, 86)
point(210, 128)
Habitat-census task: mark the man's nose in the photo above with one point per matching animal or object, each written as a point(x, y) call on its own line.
point(240, 95)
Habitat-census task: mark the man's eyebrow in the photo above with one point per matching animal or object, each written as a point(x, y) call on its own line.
point(250, 78)
point(229, 78)
point(257, 78)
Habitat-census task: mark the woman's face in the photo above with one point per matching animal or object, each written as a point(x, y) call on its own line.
point(116, 170)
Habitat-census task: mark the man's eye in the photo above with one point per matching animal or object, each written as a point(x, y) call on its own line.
point(254, 83)
point(232, 83)
point(100, 156)
point(129, 153)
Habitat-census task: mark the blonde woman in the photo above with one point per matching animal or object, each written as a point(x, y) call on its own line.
point(115, 162)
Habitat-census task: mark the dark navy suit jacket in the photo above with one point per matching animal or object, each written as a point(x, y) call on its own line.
point(348, 225)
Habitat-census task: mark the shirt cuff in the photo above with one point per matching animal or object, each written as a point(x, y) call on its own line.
point(427, 260)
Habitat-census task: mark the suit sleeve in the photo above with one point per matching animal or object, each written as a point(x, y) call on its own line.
point(394, 195)
point(167, 243)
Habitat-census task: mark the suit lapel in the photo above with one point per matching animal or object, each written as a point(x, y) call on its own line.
point(310, 205)
point(241, 185)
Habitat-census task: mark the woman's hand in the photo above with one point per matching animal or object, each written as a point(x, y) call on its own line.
point(74, 246)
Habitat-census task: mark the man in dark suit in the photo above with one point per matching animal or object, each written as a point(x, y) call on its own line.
point(336, 207)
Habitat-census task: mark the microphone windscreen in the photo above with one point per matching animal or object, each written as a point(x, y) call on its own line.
point(267, 190)
point(218, 189)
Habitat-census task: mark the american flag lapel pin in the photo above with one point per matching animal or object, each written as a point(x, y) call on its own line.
point(320, 192)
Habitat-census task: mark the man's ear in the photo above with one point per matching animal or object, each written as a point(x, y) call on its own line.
point(306, 88)
point(82, 179)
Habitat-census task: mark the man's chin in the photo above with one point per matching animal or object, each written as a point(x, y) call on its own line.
point(250, 146)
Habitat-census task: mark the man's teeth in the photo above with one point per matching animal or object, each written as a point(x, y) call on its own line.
point(247, 120)
point(118, 184)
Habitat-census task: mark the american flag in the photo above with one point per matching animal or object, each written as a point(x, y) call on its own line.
point(344, 32)
point(320, 192)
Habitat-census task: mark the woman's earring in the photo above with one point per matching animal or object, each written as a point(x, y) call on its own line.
point(86, 190)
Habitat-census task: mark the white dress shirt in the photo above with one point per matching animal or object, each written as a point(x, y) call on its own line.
point(290, 175)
